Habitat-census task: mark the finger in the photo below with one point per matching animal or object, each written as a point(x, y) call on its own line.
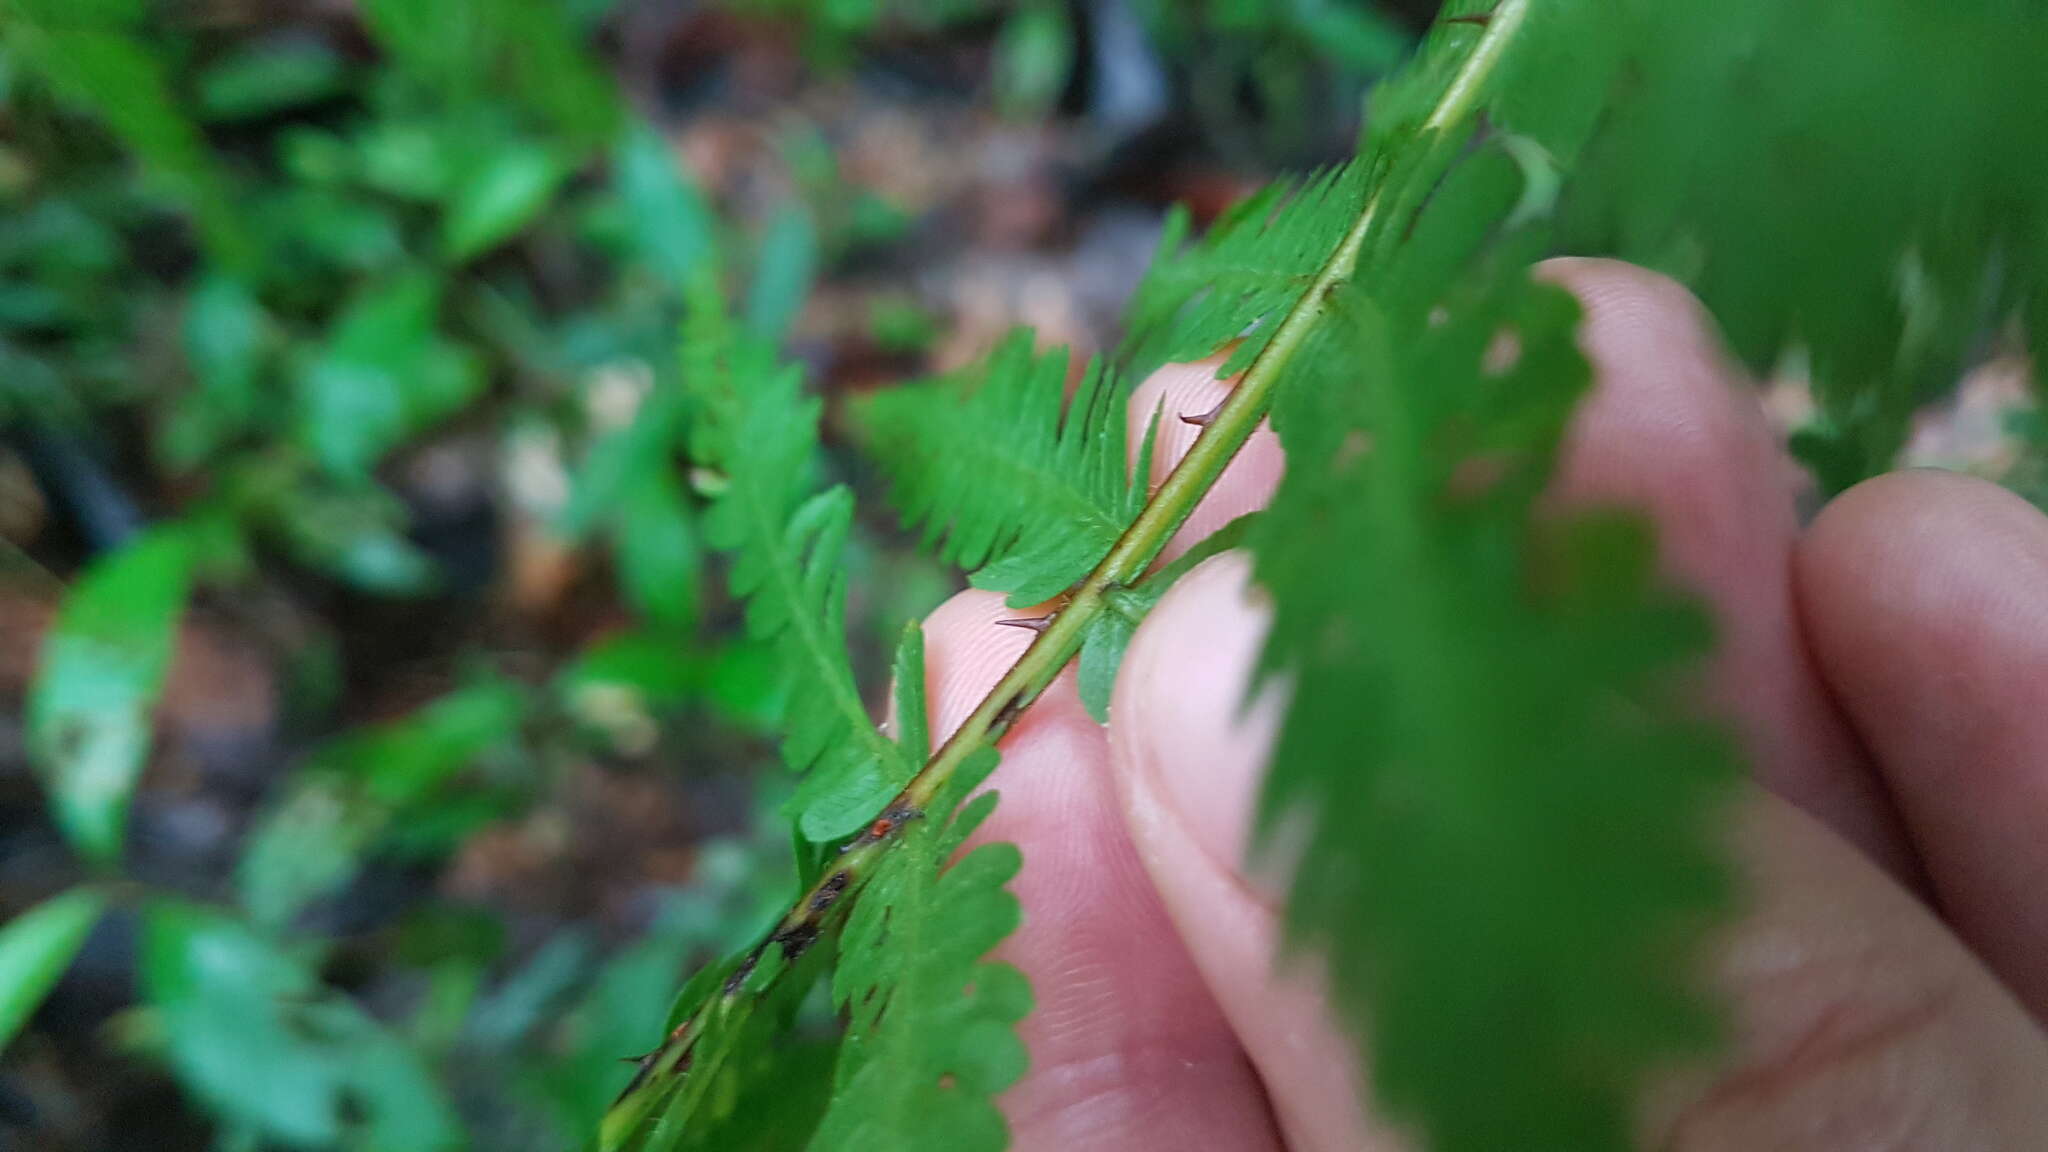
point(1187, 792)
point(1674, 429)
point(1171, 398)
point(1128, 1050)
point(1927, 595)
point(1859, 1022)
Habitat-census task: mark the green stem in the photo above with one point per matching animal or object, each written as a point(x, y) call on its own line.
point(1128, 559)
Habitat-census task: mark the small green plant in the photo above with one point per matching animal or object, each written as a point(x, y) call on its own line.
point(1368, 308)
point(287, 265)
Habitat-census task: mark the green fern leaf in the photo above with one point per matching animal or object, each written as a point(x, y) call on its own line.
point(1511, 852)
point(998, 480)
point(1863, 196)
point(932, 1037)
point(1250, 267)
point(756, 426)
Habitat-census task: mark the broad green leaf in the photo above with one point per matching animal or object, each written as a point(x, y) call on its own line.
point(499, 199)
point(304, 847)
point(35, 948)
point(620, 460)
point(226, 999)
point(96, 689)
point(645, 665)
point(1034, 58)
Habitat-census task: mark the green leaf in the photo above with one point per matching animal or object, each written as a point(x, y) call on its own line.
point(830, 807)
point(102, 670)
point(671, 225)
point(994, 476)
point(614, 1020)
point(224, 338)
point(364, 788)
point(931, 1040)
point(1034, 58)
point(620, 460)
point(644, 664)
point(782, 273)
point(383, 376)
point(1109, 634)
point(269, 77)
point(91, 53)
point(756, 425)
point(1883, 228)
point(255, 1038)
point(35, 948)
point(492, 51)
point(305, 847)
point(1511, 811)
point(499, 199)
point(1236, 283)
point(658, 550)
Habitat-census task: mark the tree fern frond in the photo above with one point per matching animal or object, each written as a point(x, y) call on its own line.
point(999, 479)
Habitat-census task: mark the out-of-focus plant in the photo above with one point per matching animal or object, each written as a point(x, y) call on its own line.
point(283, 262)
point(1263, 76)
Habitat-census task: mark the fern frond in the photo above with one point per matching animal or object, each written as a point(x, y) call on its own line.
point(1863, 196)
point(999, 480)
point(1242, 276)
point(932, 1037)
point(756, 427)
point(1512, 852)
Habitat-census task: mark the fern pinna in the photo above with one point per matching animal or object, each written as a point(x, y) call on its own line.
point(1485, 826)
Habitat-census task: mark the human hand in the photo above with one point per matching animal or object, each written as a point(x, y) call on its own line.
point(1885, 667)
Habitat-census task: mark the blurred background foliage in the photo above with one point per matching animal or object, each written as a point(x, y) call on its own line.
point(375, 760)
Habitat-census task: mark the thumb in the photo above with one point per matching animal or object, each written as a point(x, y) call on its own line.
point(1859, 1020)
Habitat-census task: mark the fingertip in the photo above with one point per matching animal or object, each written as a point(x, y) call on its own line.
point(967, 650)
point(1189, 752)
point(1180, 712)
point(1127, 1048)
point(1926, 597)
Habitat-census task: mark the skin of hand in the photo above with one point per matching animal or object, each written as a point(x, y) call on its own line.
point(1885, 668)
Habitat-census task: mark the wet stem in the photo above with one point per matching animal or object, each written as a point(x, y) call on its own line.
point(818, 910)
